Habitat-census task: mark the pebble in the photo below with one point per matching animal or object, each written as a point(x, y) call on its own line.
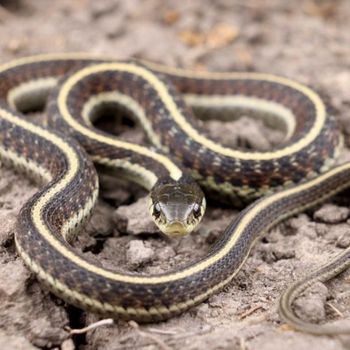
point(343, 241)
point(44, 334)
point(272, 253)
point(138, 254)
point(336, 232)
point(8, 220)
point(13, 278)
point(281, 253)
point(331, 214)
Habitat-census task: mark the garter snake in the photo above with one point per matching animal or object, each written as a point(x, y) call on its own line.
point(293, 176)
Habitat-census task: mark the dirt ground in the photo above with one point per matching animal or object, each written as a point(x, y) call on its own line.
point(306, 40)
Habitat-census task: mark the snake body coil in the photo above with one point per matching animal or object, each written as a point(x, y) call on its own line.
point(53, 216)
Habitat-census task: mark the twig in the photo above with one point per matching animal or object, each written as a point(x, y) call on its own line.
point(172, 340)
point(152, 337)
point(105, 322)
point(249, 311)
point(161, 331)
point(336, 310)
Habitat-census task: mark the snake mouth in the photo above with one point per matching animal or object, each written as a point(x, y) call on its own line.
point(176, 229)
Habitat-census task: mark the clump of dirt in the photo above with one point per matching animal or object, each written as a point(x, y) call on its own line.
point(277, 37)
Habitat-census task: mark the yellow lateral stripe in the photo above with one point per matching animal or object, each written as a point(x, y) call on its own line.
point(174, 171)
point(44, 83)
point(202, 265)
point(314, 98)
point(26, 164)
point(107, 307)
point(49, 57)
point(140, 279)
point(181, 121)
point(126, 101)
point(177, 275)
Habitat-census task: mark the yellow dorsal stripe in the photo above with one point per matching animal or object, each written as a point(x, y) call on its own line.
point(180, 120)
point(73, 162)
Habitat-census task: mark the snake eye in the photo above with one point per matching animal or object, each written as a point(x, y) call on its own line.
point(196, 210)
point(156, 210)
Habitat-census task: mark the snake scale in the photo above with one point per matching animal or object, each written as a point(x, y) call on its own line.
point(293, 176)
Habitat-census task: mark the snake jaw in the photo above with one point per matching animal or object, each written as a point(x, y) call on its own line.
point(176, 229)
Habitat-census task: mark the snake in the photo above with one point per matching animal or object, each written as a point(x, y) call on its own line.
point(180, 163)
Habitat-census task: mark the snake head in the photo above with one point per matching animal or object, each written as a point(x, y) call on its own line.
point(177, 207)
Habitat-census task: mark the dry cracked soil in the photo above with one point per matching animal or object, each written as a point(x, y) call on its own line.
point(305, 40)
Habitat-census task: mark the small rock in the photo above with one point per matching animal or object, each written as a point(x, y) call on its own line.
point(101, 222)
point(138, 254)
point(281, 253)
point(13, 278)
point(136, 216)
point(343, 241)
point(310, 306)
point(215, 301)
point(339, 232)
point(274, 252)
point(44, 334)
point(8, 221)
point(331, 214)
